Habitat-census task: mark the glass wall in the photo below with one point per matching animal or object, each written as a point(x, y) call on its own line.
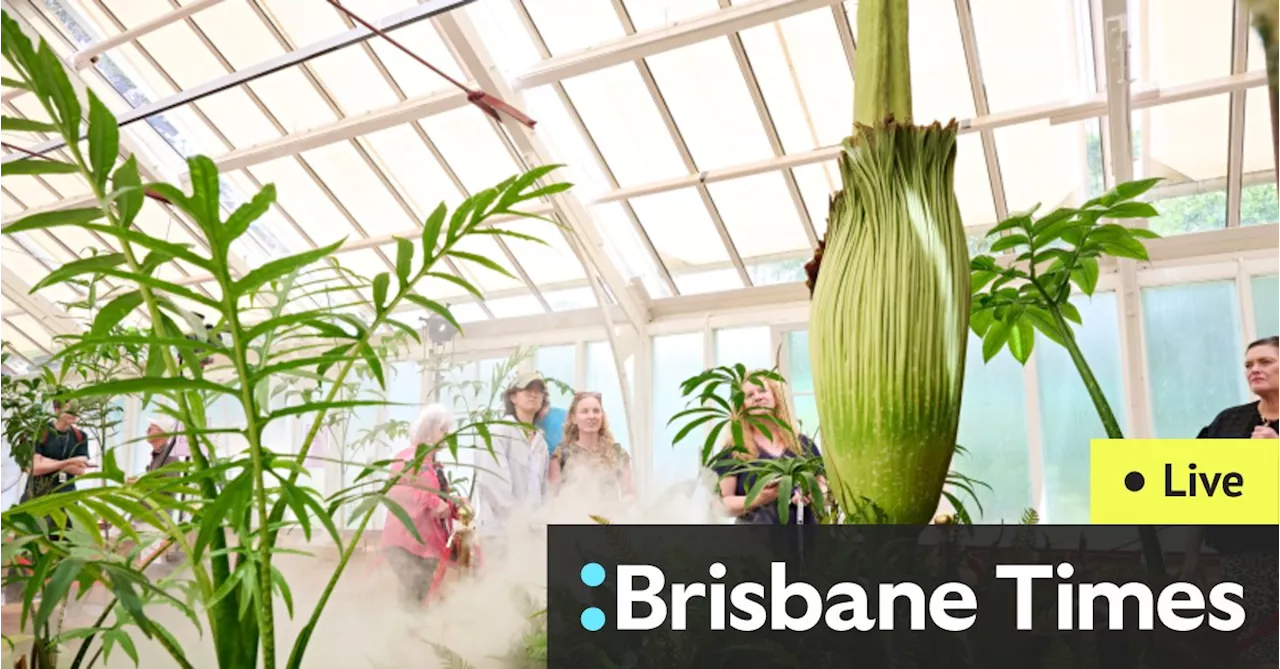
point(1068, 418)
point(1194, 353)
point(675, 358)
point(557, 363)
point(602, 377)
point(1266, 305)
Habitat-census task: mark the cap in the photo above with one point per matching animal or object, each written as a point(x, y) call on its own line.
point(527, 379)
point(72, 407)
point(163, 422)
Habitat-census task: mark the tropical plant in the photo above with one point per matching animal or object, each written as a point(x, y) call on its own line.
point(235, 504)
point(890, 308)
point(1032, 292)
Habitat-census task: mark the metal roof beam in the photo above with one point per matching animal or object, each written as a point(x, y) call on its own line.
point(427, 9)
point(649, 42)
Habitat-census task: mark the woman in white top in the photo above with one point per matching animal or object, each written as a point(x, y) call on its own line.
point(512, 478)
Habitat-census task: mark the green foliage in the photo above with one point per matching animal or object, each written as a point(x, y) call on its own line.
point(1011, 302)
point(300, 322)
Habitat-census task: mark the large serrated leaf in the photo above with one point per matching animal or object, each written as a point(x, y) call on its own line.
point(239, 221)
point(90, 265)
point(278, 268)
point(37, 166)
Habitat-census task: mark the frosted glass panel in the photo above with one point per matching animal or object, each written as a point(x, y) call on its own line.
point(748, 346)
point(1068, 419)
point(675, 358)
point(1194, 355)
point(404, 387)
point(993, 428)
point(1266, 305)
point(558, 363)
point(602, 377)
point(798, 362)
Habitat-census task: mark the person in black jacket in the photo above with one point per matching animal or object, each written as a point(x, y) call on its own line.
point(60, 456)
point(1248, 553)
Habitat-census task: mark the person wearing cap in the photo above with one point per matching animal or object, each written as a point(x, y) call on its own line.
point(512, 478)
point(60, 456)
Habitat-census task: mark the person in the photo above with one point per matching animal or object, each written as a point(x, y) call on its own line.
point(588, 449)
point(161, 437)
point(423, 493)
point(1248, 554)
point(551, 422)
point(60, 456)
point(769, 399)
point(511, 478)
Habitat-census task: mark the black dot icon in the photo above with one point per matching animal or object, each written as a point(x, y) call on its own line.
point(1134, 481)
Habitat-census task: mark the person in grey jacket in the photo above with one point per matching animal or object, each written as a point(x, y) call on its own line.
point(512, 479)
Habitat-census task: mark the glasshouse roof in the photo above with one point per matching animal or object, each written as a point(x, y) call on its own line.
point(700, 134)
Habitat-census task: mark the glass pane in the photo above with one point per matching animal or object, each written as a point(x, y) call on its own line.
point(557, 363)
point(1068, 419)
point(404, 386)
point(1007, 30)
point(1258, 199)
point(993, 428)
point(806, 411)
point(1184, 143)
point(801, 376)
point(1181, 41)
point(1192, 335)
point(1266, 305)
point(748, 346)
point(602, 377)
point(675, 358)
point(759, 214)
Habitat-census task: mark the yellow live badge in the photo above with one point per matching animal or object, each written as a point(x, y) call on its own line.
point(1184, 481)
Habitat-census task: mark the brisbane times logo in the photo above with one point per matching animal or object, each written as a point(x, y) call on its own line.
point(645, 601)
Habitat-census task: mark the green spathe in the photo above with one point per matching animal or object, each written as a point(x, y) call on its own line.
point(889, 321)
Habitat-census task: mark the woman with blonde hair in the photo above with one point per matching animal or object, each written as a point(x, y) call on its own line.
point(423, 492)
point(589, 449)
point(765, 398)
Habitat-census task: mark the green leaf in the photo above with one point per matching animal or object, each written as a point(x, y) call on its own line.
point(1086, 275)
point(205, 203)
point(431, 231)
point(994, 340)
point(1070, 312)
point(980, 278)
point(90, 265)
point(482, 261)
point(59, 89)
point(1125, 247)
point(435, 307)
point(239, 221)
point(13, 83)
point(114, 311)
point(1045, 324)
point(55, 590)
point(404, 261)
point(380, 285)
point(127, 644)
point(1008, 242)
point(463, 283)
point(120, 387)
point(981, 319)
point(1021, 339)
point(128, 184)
point(278, 268)
point(37, 166)
point(375, 365)
point(104, 140)
point(398, 511)
point(1132, 189)
point(1020, 221)
point(16, 124)
point(1132, 210)
point(49, 219)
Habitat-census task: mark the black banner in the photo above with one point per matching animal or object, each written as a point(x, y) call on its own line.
point(915, 597)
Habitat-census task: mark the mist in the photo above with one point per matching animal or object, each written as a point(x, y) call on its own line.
point(482, 617)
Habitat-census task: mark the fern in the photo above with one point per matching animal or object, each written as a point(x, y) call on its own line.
point(1030, 517)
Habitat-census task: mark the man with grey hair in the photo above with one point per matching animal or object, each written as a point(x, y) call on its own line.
point(163, 438)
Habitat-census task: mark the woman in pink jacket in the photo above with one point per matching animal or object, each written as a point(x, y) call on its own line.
point(425, 497)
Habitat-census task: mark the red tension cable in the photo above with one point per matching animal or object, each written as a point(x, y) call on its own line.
point(490, 104)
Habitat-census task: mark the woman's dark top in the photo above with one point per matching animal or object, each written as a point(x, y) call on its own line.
point(57, 445)
point(768, 513)
point(1238, 423)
